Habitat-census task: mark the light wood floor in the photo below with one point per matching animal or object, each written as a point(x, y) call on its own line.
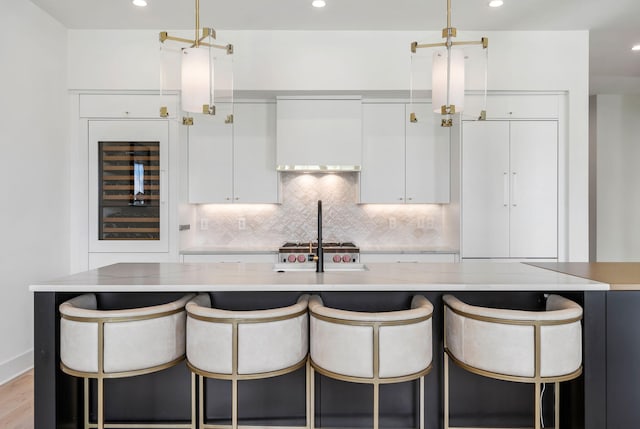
point(16, 403)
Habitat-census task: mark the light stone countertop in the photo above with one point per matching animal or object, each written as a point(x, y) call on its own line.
point(219, 277)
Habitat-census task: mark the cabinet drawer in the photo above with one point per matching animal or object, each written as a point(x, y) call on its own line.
point(269, 258)
point(407, 257)
point(533, 106)
point(126, 105)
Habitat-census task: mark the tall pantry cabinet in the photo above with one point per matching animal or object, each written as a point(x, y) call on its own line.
point(510, 189)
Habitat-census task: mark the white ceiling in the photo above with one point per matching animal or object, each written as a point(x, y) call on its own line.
point(614, 24)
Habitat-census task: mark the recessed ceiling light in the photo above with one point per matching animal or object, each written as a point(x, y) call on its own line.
point(139, 3)
point(496, 3)
point(318, 3)
point(636, 48)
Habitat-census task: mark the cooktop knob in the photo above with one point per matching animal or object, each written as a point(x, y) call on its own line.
point(291, 258)
point(337, 258)
point(346, 258)
point(302, 258)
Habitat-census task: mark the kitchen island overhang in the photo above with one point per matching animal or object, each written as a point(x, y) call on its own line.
point(381, 287)
point(249, 277)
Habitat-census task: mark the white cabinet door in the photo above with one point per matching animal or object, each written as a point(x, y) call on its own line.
point(485, 189)
point(534, 189)
point(383, 160)
point(427, 157)
point(510, 189)
point(254, 153)
point(210, 161)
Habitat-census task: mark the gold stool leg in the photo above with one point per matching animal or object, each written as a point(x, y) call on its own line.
point(234, 404)
point(422, 402)
point(556, 394)
point(312, 400)
point(537, 405)
point(308, 394)
point(193, 401)
point(201, 401)
point(446, 390)
point(86, 403)
point(100, 403)
point(376, 405)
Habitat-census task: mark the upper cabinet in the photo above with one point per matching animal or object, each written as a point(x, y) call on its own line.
point(514, 106)
point(319, 133)
point(234, 163)
point(126, 105)
point(403, 161)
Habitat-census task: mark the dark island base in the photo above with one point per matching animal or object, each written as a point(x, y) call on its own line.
point(476, 401)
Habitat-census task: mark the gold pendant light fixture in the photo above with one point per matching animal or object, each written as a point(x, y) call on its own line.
point(448, 72)
point(197, 68)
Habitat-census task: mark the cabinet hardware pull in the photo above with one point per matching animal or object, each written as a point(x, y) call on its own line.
point(163, 186)
point(505, 189)
point(513, 190)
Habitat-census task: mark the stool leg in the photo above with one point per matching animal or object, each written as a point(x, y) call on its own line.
point(376, 405)
point(100, 403)
point(201, 401)
point(193, 401)
point(86, 403)
point(308, 394)
point(556, 394)
point(422, 402)
point(312, 401)
point(234, 404)
point(446, 390)
point(537, 405)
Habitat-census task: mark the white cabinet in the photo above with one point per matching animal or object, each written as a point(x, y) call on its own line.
point(126, 105)
point(403, 161)
point(510, 189)
point(234, 162)
point(319, 132)
point(514, 106)
point(267, 258)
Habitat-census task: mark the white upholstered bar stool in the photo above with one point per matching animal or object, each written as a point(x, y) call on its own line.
point(372, 348)
point(104, 344)
point(522, 346)
point(245, 345)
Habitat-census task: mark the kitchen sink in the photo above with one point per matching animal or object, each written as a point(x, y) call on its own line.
point(311, 267)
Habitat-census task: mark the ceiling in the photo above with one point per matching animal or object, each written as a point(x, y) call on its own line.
point(614, 24)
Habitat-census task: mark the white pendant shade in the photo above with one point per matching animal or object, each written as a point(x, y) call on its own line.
point(197, 79)
point(439, 80)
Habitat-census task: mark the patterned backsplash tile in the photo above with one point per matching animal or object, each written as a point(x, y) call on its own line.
point(368, 225)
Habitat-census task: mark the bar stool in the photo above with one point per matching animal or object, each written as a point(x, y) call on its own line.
point(372, 348)
point(521, 346)
point(105, 344)
point(245, 345)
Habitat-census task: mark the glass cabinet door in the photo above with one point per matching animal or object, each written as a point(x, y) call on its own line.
point(129, 190)
point(128, 185)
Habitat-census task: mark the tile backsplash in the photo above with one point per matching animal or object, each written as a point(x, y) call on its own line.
point(368, 225)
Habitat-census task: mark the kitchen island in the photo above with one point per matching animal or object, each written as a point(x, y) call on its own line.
point(380, 287)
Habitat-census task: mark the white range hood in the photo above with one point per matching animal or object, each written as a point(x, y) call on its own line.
point(319, 134)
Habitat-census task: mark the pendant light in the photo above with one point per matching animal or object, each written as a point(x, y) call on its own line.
point(197, 69)
point(448, 73)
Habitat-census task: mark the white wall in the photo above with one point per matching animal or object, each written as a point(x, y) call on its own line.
point(34, 213)
point(368, 61)
point(618, 177)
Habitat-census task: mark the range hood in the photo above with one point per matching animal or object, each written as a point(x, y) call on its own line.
point(319, 134)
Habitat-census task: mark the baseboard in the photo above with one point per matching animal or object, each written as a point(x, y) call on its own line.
point(14, 367)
